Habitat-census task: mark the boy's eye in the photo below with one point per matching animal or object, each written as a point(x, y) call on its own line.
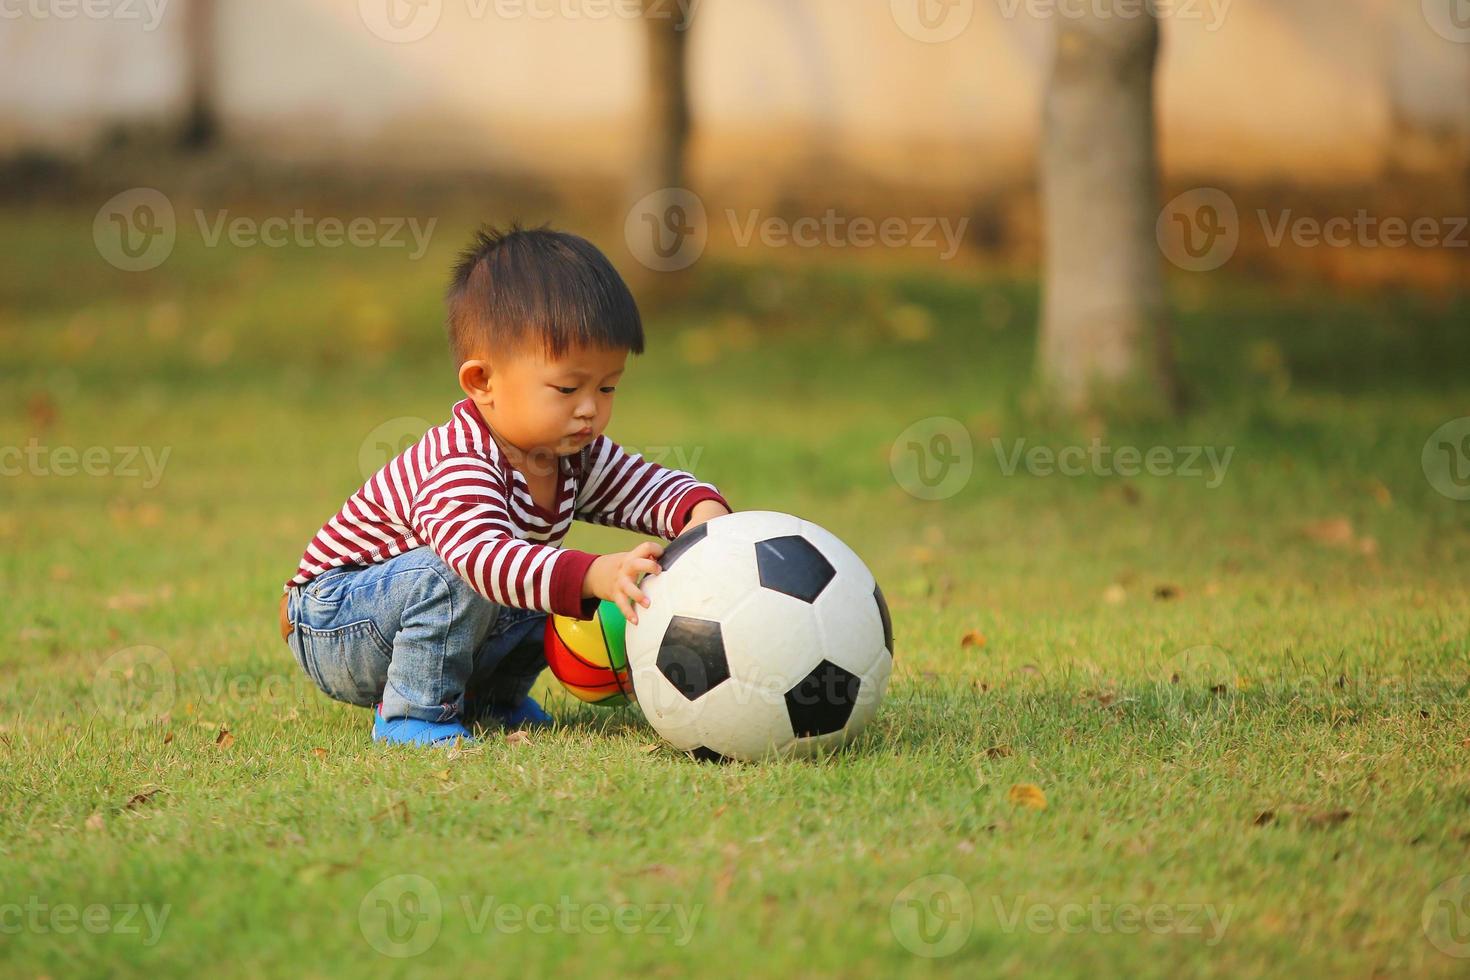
point(608, 390)
point(565, 391)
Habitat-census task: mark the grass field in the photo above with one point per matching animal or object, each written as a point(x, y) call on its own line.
point(1242, 699)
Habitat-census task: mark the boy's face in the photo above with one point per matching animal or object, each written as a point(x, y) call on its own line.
point(546, 406)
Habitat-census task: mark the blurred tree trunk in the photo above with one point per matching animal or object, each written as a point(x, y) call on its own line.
point(1105, 328)
point(200, 126)
point(667, 125)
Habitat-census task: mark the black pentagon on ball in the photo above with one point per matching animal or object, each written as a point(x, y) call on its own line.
point(705, 754)
point(681, 544)
point(822, 701)
point(887, 620)
point(692, 656)
point(792, 564)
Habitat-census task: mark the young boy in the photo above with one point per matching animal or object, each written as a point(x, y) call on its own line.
point(427, 594)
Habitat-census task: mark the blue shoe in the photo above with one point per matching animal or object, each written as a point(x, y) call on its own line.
point(416, 731)
point(527, 714)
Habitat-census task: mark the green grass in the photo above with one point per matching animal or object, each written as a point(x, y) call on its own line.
point(1336, 683)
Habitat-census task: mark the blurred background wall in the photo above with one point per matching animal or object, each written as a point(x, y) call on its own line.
point(1317, 91)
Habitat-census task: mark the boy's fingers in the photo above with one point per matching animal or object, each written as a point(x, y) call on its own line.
point(637, 594)
point(626, 608)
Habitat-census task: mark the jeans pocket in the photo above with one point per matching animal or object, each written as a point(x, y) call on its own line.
point(349, 663)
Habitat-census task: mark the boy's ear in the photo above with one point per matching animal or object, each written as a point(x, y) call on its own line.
point(475, 380)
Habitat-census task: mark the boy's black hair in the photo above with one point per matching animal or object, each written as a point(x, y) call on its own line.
point(519, 289)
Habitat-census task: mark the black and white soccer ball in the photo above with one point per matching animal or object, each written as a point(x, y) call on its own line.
point(765, 635)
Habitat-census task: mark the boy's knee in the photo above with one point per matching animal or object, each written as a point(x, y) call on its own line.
point(432, 584)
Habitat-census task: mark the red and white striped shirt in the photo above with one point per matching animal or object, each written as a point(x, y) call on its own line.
point(455, 492)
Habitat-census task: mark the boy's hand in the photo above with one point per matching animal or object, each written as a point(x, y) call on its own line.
point(615, 577)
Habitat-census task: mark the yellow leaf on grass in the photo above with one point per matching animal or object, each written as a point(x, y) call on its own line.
point(974, 638)
point(1028, 795)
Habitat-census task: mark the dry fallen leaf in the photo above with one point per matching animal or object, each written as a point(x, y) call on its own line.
point(224, 739)
point(1027, 795)
point(1115, 594)
point(650, 747)
point(1265, 817)
point(998, 752)
point(1166, 592)
point(94, 822)
point(142, 796)
point(518, 738)
point(974, 638)
point(320, 753)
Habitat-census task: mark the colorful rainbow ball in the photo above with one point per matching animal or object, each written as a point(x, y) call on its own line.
point(589, 658)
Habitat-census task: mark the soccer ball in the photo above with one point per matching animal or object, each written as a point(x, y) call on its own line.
point(764, 635)
point(587, 656)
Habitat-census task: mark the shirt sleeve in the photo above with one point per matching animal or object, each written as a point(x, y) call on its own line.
point(460, 511)
point(624, 490)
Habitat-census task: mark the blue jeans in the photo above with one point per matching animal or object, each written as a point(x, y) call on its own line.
point(412, 634)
